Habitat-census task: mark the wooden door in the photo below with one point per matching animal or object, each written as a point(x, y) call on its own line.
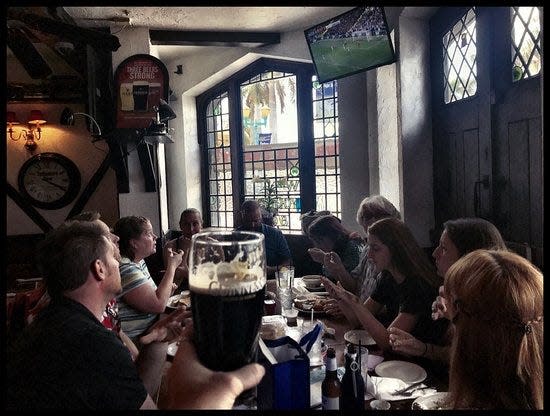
point(488, 143)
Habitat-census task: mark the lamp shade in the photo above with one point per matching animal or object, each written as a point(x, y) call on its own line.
point(36, 117)
point(11, 118)
point(165, 112)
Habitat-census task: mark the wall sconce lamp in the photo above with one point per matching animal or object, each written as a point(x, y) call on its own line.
point(33, 134)
point(67, 119)
point(157, 132)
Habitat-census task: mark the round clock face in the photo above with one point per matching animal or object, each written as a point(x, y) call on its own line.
point(49, 180)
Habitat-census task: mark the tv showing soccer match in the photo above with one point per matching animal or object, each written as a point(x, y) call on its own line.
point(352, 42)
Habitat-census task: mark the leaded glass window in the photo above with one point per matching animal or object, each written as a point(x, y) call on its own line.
point(219, 162)
point(460, 55)
point(526, 42)
point(327, 151)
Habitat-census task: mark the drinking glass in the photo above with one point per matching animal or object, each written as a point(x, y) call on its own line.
point(227, 280)
point(285, 282)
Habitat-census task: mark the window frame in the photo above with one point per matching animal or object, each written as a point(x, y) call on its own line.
point(304, 73)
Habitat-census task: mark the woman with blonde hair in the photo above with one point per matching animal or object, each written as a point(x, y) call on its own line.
point(495, 299)
point(403, 294)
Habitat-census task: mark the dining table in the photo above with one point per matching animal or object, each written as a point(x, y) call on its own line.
point(334, 331)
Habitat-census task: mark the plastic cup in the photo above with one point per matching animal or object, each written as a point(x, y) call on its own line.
point(291, 315)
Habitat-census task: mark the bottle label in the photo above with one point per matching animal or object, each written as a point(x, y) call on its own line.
point(331, 364)
point(330, 403)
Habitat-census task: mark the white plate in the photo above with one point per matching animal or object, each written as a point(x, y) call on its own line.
point(172, 349)
point(431, 402)
point(403, 370)
point(356, 335)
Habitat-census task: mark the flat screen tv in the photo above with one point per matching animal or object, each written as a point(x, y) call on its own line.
point(349, 43)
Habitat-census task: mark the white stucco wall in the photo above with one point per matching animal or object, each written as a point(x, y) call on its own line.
point(354, 149)
point(416, 127)
point(137, 202)
point(389, 146)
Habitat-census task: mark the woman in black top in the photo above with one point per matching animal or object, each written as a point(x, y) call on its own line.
point(403, 295)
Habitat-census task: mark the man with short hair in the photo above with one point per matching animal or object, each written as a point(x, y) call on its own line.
point(277, 251)
point(66, 359)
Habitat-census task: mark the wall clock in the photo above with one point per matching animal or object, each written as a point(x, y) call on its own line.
point(49, 180)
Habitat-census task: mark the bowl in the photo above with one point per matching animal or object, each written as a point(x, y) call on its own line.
point(312, 280)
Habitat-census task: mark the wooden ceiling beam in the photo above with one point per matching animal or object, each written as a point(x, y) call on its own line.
point(213, 38)
point(64, 30)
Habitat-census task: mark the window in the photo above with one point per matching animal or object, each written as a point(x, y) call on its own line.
point(270, 133)
point(220, 188)
point(526, 47)
point(459, 63)
point(327, 152)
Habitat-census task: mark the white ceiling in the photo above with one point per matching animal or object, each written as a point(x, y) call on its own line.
point(264, 19)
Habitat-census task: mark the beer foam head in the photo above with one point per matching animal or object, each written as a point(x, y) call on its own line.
point(240, 275)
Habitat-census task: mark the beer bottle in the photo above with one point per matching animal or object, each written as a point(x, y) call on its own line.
point(331, 386)
point(353, 385)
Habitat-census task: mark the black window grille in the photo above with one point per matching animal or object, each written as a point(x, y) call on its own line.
point(526, 42)
point(460, 59)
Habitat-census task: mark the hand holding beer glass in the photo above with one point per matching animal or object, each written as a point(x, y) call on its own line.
point(227, 279)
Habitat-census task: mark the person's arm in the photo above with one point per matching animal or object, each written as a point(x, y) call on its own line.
point(403, 342)
point(134, 352)
point(146, 299)
point(333, 264)
point(365, 314)
point(439, 307)
point(190, 385)
point(182, 272)
point(343, 307)
point(152, 357)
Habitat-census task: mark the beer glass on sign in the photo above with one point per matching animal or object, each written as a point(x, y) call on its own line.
point(227, 279)
point(141, 95)
point(126, 97)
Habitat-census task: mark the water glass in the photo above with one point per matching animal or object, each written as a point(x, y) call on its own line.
point(285, 282)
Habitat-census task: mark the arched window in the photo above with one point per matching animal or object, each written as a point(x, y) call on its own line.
point(270, 133)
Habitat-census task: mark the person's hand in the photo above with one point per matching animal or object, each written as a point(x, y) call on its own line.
point(337, 291)
point(317, 254)
point(330, 288)
point(333, 264)
point(405, 343)
point(439, 306)
point(168, 328)
point(191, 385)
point(332, 308)
point(174, 258)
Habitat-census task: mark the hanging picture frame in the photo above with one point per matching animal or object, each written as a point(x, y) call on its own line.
point(140, 81)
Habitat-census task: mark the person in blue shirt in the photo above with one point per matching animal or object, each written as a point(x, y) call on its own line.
point(276, 248)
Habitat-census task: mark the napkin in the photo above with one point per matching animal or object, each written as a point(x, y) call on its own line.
point(383, 388)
